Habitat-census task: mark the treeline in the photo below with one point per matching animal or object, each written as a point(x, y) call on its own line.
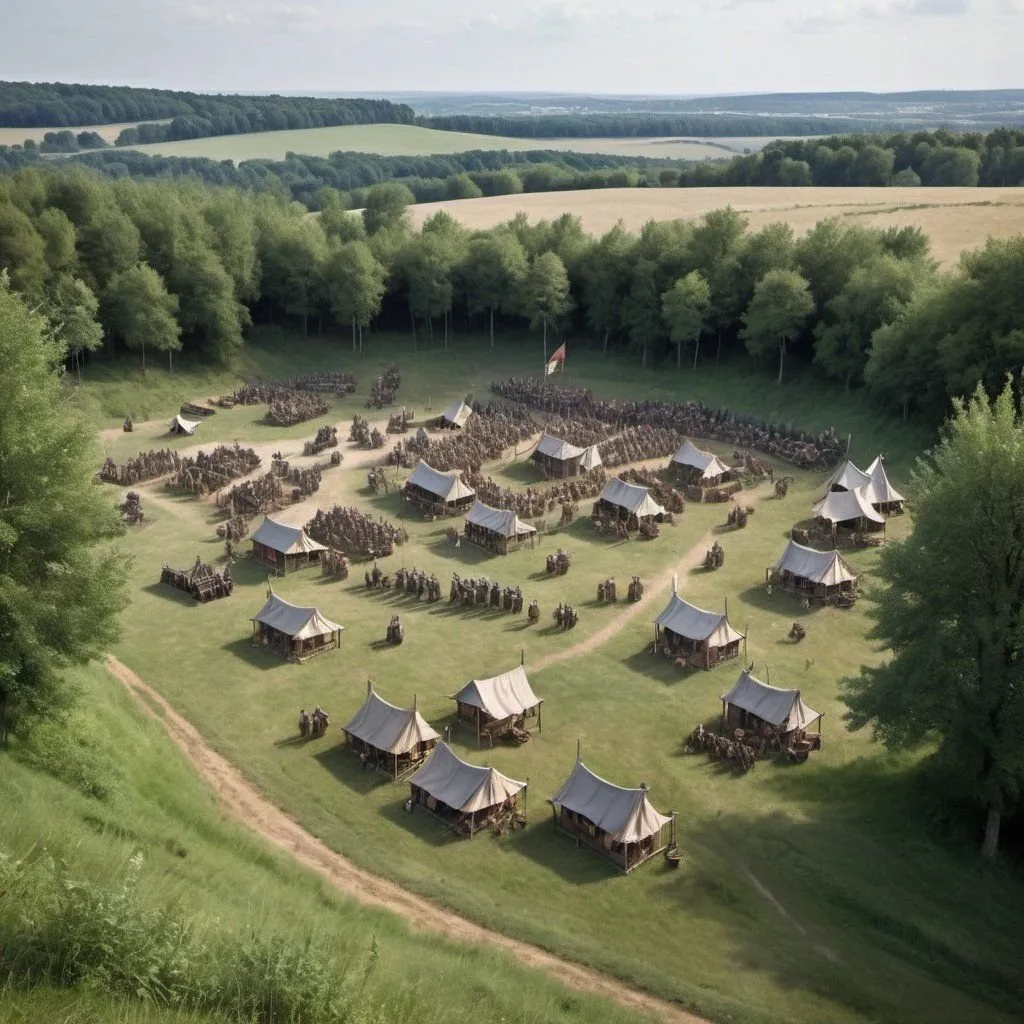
point(640, 125)
point(158, 266)
point(939, 158)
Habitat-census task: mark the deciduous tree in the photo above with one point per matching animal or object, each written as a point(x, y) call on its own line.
point(686, 307)
point(142, 312)
point(780, 307)
point(546, 296)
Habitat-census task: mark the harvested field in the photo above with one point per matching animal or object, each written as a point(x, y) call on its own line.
point(954, 218)
point(16, 136)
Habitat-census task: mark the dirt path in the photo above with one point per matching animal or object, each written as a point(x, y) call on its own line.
point(241, 801)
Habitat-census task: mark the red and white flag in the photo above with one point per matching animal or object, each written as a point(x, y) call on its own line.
point(556, 362)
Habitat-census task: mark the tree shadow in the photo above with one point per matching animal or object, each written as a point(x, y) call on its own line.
point(169, 593)
point(665, 670)
point(779, 602)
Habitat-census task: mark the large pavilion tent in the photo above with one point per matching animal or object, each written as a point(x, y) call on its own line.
point(819, 575)
point(848, 477)
point(294, 631)
point(700, 466)
point(850, 510)
point(180, 425)
point(497, 704)
point(472, 794)
point(457, 414)
point(496, 529)
point(443, 492)
point(285, 548)
point(709, 635)
point(395, 740)
point(884, 497)
point(620, 823)
point(630, 499)
point(560, 458)
point(751, 702)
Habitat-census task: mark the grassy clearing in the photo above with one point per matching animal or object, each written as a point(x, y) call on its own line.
point(412, 140)
point(878, 921)
point(113, 785)
point(954, 218)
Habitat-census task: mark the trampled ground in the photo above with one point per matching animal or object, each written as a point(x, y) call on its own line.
point(954, 218)
point(805, 894)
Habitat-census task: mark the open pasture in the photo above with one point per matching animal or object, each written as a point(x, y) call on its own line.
point(805, 893)
point(413, 140)
point(954, 218)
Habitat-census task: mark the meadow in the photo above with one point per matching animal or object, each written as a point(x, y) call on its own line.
point(954, 219)
point(805, 893)
point(413, 140)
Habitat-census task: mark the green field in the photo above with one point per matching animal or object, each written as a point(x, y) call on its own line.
point(805, 894)
point(412, 140)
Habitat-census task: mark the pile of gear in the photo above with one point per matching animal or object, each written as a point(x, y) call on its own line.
point(313, 726)
point(558, 563)
point(384, 388)
point(200, 582)
point(714, 558)
point(326, 437)
point(736, 752)
point(131, 508)
point(357, 534)
point(234, 530)
point(362, 435)
point(210, 471)
point(144, 466)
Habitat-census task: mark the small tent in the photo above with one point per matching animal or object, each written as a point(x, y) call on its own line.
point(441, 493)
point(625, 500)
point(394, 740)
point(849, 510)
point(457, 414)
point(560, 459)
point(498, 705)
point(498, 530)
point(816, 575)
point(847, 477)
point(294, 631)
point(468, 796)
point(619, 823)
point(884, 497)
point(697, 466)
point(285, 548)
point(751, 704)
point(180, 425)
point(704, 638)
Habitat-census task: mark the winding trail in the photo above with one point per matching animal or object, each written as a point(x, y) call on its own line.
point(243, 802)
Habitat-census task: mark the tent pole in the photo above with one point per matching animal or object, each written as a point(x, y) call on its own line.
point(477, 728)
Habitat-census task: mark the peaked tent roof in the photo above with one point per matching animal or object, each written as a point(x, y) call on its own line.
point(502, 521)
point(555, 448)
point(297, 622)
point(625, 814)
point(842, 506)
point(184, 426)
point(697, 624)
point(389, 728)
point(289, 540)
point(637, 499)
point(848, 476)
point(785, 708)
point(447, 486)
point(458, 412)
point(827, 567)
point(591, 458)
point(463, 786)
point(500, 696)
point(881, 491)
point(709, 464)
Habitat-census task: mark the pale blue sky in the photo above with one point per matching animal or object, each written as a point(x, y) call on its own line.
point(631, 46)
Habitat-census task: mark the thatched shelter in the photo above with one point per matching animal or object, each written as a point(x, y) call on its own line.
point(437, 492)
point(294, 632)
point(457, 414)
point(497, 530)
point(626, 501)
point(499, 705)
point(468, 796)
point(393, 740)
point(823, 576)
point(884, 497)
point(285, 548)
point(696, 466)
point(180, 425)
point(703, 638)
point(767, 711)
point(849, 511)
point(560, 459)
point(619, 823)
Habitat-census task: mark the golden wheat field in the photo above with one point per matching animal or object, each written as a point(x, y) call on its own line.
point(954, 218)
point(16, 136)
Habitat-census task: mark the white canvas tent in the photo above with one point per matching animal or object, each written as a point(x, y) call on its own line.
point(591, 459)
point(706, 635)
point(847, 477)
point(555, 448)
point(430, 486)
point(294, 630)
point(785, 710)
point(497, 529)
point(816, 575)
point(884, 496)
point(849, 508)
point(560, 458)
point(393, 739)
point(494, 704)
point(704, 466)
point(457, 414)
point(474, 793)
point(180, 425)
point(630, 498)
point(620, 823)
point(284, 548)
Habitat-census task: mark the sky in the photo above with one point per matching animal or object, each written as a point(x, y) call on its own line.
point(360, 47)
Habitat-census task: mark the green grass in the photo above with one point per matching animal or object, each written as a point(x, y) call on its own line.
point(223, 881)
point(412, 140)
point(885, 921)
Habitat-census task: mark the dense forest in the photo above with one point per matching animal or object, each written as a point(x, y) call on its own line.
point(160, 266)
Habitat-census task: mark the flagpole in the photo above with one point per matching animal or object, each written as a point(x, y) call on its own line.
point(545, 373)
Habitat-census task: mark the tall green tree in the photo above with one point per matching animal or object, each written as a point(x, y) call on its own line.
point(142, 312)
point(355, 283)
point(641, 310)
point(60, 588)
point(387, 206)
point(546, 296)
point(493, 271)
point(605, 273)
point(780, 307)
point(958, 680)
point(686, 307)
point(74, 317)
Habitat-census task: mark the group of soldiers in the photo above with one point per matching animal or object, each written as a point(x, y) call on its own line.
point(384, 388)
point(715, 556)
point(305, 480)
point(398, 423)
point(413, 581)
point(287, 408)
point(535, 502)
point(131, 508)
point(736, 751)
point(352, 531)
point(326, 437)
point(565, 616)
point(251, 497)
point(739, 515)
point(144, 466)
point(487, 434)
point(200, 581)
point(313, 726)
point(558, 563)
point(664, 494)
point(361, 433)
point(234, 530)
point(634, 444)
point(206, 472)
point(481, 591)
point(689, 419)
point(396, 631)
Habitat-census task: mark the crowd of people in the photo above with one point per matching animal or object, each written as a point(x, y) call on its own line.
point(326, 437)
point(664, 494)
point(363, 435)
point(384, 388)
point(131, 508)
point(358, 535)
point(688, 419)
point(144, 466)
point(536, 502)
point(251, 497)
point(210, 471)
point(290, 407)
point(305, 480)
point(398, 422)
point(481, 591)
point(635, 444)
